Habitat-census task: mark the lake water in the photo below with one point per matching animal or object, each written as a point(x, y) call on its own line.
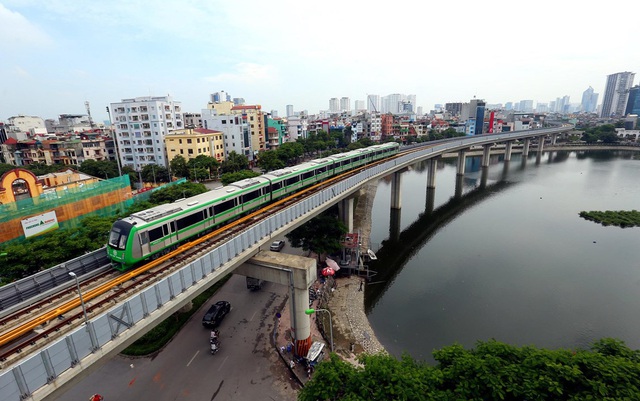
point(510, 258)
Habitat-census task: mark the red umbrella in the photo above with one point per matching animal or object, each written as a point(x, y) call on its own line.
point(327, 271)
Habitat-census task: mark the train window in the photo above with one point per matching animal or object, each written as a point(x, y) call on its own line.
point(144, 238)
point(155, 234)
point(250, 196)
point(320, 170)
point(210, 211)
point(292, 180)
point(165, 230)
point(306, 175)
point(224, 206)
point(276, 185)
point(188, 221)
point(173, 226)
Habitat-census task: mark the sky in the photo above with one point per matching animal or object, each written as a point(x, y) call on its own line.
point(57, 54)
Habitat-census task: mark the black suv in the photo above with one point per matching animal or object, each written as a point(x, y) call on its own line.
point(215, 314)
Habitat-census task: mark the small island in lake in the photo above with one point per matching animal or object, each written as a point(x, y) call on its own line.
point(622, 218)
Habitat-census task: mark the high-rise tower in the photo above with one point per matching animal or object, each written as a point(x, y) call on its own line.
point(616, 94)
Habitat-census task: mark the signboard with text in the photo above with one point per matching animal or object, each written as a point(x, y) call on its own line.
point(40, 224)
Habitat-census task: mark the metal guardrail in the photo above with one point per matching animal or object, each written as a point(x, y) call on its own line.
point(28, 290)
point(44, 367)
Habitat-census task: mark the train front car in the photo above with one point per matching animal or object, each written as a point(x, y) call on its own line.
point(117, 244)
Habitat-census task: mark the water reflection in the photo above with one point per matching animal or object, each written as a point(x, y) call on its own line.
point(522, 268)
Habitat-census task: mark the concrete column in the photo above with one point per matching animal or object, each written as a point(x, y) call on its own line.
point(297, 273)
point(462, 158)
point(486, 153)
point(459, 184)
point(396, 185)
point(431, 175)
point(507, 151)
point(540, 144)
point(554, 138)
point(484, 176)
point(525, 148)
point(345, 210)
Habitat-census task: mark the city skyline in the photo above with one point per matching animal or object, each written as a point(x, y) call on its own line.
point(63, 53)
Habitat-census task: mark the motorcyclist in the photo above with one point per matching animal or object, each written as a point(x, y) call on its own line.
point(96, 397)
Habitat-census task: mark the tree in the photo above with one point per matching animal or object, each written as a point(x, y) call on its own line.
point(43, 168)
point(133, 175)
point(322, 234)
point(268, 161)
point(179, 167)
point(154, 173)
point(491, 371)
point(228, 178)
point(101, 169)
point(290, 152)
point(202, 167)
point(234, 162)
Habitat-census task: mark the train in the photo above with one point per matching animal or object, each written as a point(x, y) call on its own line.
point(155, 231)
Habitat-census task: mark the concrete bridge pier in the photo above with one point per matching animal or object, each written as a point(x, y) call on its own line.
point(345, 211)
point(486, 154)
point(507, 151)
point(462, 158)
point(459, 184)
point(483, 177)
point(297, 273)
point(540, 144)
point(431, 174)
point(525, 147)
point(396, 186)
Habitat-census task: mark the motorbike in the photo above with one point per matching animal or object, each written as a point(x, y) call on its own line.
point(214, 341)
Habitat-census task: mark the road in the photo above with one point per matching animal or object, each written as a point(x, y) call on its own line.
point(247, 366)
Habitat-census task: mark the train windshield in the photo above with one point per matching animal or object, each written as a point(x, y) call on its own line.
point(119, 234)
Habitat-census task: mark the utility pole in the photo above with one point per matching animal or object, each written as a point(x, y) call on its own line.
point(115, 142)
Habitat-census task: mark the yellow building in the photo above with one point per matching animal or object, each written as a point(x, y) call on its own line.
point(193, 142)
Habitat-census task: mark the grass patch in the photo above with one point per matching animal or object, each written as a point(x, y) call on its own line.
point(160, 335)
point(611, 218)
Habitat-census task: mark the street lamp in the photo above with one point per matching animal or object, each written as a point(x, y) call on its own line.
point(311, 311)
point(84, 310)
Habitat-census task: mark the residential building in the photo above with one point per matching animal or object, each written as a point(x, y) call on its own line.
point(235, 129)
point(359, 106)
point(22, 128)
point(345, 105)
point(334, 105)
point(633, 102)
point(276, 131)
point(192, 120)
point(193, 142)
point(589, 101)
point(140, 126)
point(616, 94)
point(297, 127)
point(374, 104)
point(289, 110)
point(221, 96)
point(254, 117)
point(455, 109)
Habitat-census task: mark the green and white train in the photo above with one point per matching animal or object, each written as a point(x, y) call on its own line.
point(157, 230)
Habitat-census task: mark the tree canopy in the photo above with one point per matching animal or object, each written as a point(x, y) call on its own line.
point(234, 162)
point(322, 234)
point(491, 371)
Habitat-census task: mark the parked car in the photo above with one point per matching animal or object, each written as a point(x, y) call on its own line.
point(276, 246)
point(215, 314)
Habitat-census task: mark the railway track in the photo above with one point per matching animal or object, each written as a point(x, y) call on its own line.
point(28, 329)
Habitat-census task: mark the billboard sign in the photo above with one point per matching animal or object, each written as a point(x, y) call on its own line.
point(40, 224)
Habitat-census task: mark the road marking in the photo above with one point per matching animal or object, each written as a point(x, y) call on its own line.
point(222, 364)
point(194, 357)
point(254, 315)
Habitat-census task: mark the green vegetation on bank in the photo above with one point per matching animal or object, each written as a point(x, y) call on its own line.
point(162, 334)
point(491, 371)
point(612, 218)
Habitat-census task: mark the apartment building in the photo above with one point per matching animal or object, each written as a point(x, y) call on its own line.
point(141, 125)
point(193, 142)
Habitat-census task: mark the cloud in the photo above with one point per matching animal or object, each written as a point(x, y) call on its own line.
point(21, 72)
point(245, 73)
point(17, 32)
